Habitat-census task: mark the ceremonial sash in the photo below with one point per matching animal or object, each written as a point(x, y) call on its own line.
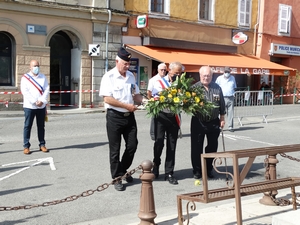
point(178, 120)
point(36, 84)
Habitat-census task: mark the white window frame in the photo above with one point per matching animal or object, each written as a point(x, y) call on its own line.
point(244, 13)
point(210, 11)
point(165, 13)
point(284, 20)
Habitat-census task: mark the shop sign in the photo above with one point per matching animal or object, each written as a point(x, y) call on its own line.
point(284, 49)
point(240, 38)
point(142, 21)
point(238, 70)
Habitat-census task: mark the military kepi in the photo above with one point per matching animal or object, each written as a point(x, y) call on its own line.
point(123, 54)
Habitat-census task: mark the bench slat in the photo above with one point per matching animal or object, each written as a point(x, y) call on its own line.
point(247, 189)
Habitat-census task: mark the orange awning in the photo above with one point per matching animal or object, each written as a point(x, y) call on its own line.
point(193, 60)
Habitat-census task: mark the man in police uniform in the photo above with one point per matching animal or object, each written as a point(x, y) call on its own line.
point(207, 125)
point(120, 93)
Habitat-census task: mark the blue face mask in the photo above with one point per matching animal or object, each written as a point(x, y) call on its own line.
point(35, 70)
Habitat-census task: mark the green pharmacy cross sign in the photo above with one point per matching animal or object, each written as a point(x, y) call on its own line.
point(142, 21)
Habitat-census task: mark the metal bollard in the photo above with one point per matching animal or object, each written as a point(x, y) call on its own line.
point(266, 199)
point(147, 206)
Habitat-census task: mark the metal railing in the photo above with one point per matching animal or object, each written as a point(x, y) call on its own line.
point(253, 103)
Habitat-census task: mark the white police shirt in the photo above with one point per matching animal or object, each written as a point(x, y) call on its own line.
point(121, 88)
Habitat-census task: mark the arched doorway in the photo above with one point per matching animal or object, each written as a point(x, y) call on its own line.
point(60, 68)
point(6, 60)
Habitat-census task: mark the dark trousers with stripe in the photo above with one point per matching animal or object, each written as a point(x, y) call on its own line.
point(199, 130)
point(165, 124)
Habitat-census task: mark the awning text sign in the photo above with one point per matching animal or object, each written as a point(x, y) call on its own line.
point(284, 49)
point(239, 70)
point(253, 71)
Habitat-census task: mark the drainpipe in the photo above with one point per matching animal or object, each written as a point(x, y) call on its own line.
point(92, 64)
point(255, 30)
point(109, 19)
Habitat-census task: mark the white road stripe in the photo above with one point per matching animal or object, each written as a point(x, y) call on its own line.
point(236, 137)
point(37, 161)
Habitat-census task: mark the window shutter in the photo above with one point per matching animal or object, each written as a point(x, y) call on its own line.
point(247, 13)
point(242, 12)
point(284, 18)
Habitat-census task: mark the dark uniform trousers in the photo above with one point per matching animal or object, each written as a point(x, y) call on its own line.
point(120, 124)
point(165, 124)
point(199, 130)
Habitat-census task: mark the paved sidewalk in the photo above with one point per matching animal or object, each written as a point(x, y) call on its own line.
point(219, 213)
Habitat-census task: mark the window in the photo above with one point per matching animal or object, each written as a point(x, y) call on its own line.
point(284, 20)
point(6, 78)
point(157, 6)
point(205, 9)
point(245, 13)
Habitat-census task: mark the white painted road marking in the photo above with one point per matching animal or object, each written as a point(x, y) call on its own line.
point(37, 161)
point(236, 137)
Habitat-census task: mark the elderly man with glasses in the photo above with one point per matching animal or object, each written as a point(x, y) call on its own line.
point(162, 69)
point(166, 124)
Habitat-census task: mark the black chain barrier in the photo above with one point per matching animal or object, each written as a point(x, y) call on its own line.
point(73, 197)
point(282, 201)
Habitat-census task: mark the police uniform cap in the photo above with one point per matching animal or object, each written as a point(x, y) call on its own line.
point(123, 54)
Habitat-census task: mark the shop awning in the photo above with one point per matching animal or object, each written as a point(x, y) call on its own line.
point(193, 60)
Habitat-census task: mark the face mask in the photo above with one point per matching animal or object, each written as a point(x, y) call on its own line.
point(35, 70)
point(226, 75)
point(174, 78)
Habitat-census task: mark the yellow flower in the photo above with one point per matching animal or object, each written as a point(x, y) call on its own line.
point(188, 94)
point(162, 98)
point(170, 96)
point(173, 91)
point(176, 100)
point(197, 99)
point(151, 100)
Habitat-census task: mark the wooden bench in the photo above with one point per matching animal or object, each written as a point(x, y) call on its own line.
point(237, 190)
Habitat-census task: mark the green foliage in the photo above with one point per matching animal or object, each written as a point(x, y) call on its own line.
point(181, 96)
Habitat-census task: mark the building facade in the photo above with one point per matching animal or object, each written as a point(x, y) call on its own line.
point(223, 33)
point(76, 42)
point(278, 40)
point(59, 34)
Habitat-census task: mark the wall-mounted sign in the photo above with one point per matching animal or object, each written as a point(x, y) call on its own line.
point(240, 38)
point(284, 49)
point(94, 49)
point(36, 29)
point(142, 21)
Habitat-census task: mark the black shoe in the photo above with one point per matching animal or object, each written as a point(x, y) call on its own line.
point(119, 186)
point(197, 176)
point(155, 171)
point(210, 175)
point(129, 179)
point(171, 179)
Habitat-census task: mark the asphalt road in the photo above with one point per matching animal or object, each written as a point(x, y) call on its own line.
point(79, 149)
